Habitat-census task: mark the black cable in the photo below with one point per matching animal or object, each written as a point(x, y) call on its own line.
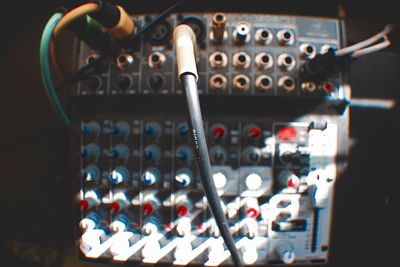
point(92, 68)
point(152, 24)
point(199, 144)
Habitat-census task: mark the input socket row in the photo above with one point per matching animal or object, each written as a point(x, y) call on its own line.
point(242, 60)
point(241, 82)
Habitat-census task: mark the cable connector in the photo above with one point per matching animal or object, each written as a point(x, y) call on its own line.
point(115, 20)
point(186, 50)
point(333, 61)
point(90, 31)
point(322, 66)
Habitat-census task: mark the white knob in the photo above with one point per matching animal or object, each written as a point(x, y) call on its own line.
point(286, 253)
point(253, 181)
point(219, 180)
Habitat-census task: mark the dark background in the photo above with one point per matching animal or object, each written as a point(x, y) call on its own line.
point(35, 200)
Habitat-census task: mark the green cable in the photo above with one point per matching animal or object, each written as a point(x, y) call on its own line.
point(45, 67)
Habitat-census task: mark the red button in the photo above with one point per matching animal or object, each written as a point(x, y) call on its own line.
point(219, 132)
point(293, 181)
point(287, 134)
point(182, 210)
point(328, 87)
point(254, 132)
point(252, 212)
point(83, 204)
point(147, 209)
point(114, 207)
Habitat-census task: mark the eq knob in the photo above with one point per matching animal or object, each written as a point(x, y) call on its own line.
point(251, 155)
point(119, 202)
point(184, 154)
point(152, 130)
point(123, 82)
point(118, 152)
point(250, 207)
point(289, 179)
point(218, 155)
point(91, 173)
point(182, 130)
point(218, 131)
point(91, 199)
point(90, 151)
point(150, 176)
point(183, 177)
point(152, 153)
point(252, 132)
point(183, 205)
point(120, 129)
point(91, 128)
point(150, 204)
point(119, 175)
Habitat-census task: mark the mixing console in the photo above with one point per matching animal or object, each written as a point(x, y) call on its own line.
point(277, 142)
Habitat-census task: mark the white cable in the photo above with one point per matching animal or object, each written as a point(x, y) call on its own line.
point(371, 49)
point(362, 44)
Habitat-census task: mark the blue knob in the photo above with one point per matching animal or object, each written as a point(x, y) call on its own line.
point(150, 176)
point(184, 154)
point(119, 175)
point(152, 129)
point(152, 153)
point(183, 129)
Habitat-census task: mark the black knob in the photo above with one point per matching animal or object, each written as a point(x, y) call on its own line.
point(156, 81)
point(123, 82)
point(93, 82)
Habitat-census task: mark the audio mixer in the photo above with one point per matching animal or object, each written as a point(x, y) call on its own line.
point(277, 142)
